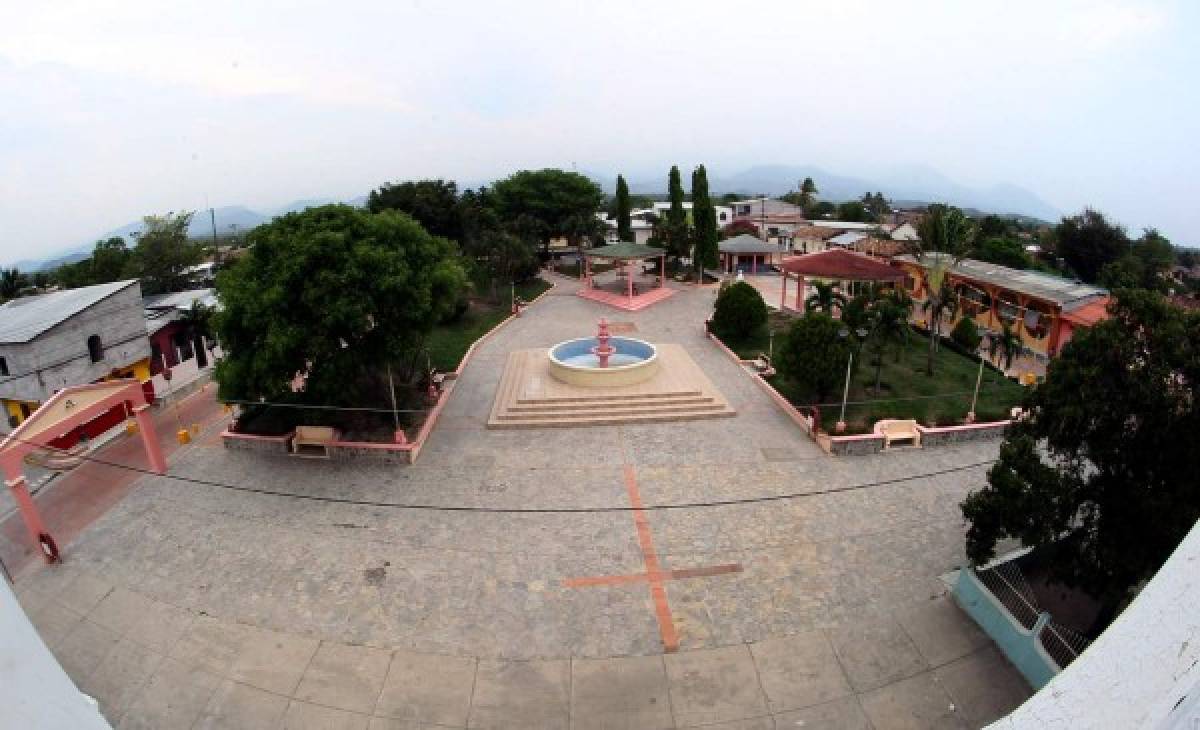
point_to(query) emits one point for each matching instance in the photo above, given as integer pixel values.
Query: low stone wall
(253, 442)
(859, 445)
(384, 453)
(943, 435)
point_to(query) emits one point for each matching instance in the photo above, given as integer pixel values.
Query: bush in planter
(966, 335)
(740, 312)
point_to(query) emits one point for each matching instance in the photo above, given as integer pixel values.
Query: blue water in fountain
(579, 352)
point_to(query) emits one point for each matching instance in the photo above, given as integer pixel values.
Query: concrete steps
(528, 397)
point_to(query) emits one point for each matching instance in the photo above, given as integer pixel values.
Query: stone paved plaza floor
(195, 606)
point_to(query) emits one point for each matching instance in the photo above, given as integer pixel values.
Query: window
(95, 348)
(3, 366)
(724, 216)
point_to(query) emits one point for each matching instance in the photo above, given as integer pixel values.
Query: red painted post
(783, 293)
(629, 281)
(154, 452)
(800, 294)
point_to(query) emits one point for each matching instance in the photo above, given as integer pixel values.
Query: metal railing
(1008, 584)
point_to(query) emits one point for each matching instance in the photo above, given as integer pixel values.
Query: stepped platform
(529, 397)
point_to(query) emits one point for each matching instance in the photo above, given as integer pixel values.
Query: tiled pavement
(194, 606)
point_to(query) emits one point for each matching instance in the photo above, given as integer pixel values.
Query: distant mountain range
(903, 185)
(909, 184)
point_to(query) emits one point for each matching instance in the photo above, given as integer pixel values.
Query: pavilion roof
(745, 243)
(625, 250)
(841, 264)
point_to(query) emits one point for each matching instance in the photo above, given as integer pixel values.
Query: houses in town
(70, 337)
(94, 333)
(1043, 310)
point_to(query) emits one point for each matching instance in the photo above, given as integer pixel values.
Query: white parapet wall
(1143, 672)
(35, 692)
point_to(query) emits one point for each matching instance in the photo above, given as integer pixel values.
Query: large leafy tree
(808, 193)
(433, 203)
(704, 219)
(739, 313)
(624, 224)
(12, 282)
(547, 203)
(814, 354)
(946, 237)
(1088, 242)
(1003, 250)
(1100, 473)
(1144, 266)
(164, 253)
(336, 294)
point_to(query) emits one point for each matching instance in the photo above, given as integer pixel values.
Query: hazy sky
(108, 113)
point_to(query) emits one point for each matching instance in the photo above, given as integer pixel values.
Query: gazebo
(836, 264)
(626, 256)
(734, 250)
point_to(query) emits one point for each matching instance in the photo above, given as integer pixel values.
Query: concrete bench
(899, 430)
(313, 441)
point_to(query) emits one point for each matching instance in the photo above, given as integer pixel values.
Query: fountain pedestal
(603, 351)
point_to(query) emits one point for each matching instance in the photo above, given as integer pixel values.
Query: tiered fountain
(603, 360)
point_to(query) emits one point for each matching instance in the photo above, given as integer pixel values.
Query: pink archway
(65, 410)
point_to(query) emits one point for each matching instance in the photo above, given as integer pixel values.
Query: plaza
(577, 581)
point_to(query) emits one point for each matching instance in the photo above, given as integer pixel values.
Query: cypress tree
(677, 226)
(704, 218)
(624, 226)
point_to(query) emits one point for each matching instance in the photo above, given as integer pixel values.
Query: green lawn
(905, 392)
(449, 342)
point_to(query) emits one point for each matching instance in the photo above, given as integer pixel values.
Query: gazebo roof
(840, 264)
(625, 250)
(745, 243)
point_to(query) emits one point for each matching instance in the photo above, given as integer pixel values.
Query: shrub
(813, 354)
(740, 312)
(966, 335)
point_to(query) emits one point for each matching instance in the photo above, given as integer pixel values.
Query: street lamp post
(840, 426)
(983, 334)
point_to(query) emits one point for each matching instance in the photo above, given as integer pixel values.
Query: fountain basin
(632, 361)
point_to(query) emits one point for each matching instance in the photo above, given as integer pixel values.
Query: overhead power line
(526, 510)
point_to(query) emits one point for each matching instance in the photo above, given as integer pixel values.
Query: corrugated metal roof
(25, 318)
(848, 238)
(1064, 292)
(745, 243)
(181, 299)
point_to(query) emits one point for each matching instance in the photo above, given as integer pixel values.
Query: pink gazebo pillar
(754, 263)
(629, 279)
(783, 293)
(800, 293)
(14, 479)
(150, 442)
(662, 271)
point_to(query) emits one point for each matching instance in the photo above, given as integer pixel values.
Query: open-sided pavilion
(746, 252)
(833, 265)
(626, 257)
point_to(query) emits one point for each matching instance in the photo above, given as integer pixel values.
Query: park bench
(313, 441)
(899, 430)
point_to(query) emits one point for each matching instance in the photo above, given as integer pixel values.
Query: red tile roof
(1089, 314)
(840, 264)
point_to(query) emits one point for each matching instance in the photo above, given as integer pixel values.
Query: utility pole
(212, 217)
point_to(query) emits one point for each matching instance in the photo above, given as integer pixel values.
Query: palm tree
(946, 238)
(1007, 345)
(889, 328)
(824, 298)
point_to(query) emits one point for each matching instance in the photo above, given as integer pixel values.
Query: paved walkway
(194, 606)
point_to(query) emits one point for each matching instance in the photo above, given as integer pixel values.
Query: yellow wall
(13, 408)
(139, 370)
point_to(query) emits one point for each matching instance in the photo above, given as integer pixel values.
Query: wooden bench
(313, 441)
(899, 430)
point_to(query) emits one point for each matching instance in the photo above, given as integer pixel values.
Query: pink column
(15, 480)
(754, 264)
(150, 438)
(800, 294)
(783, 293)
(629, 280)
(662, 271)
